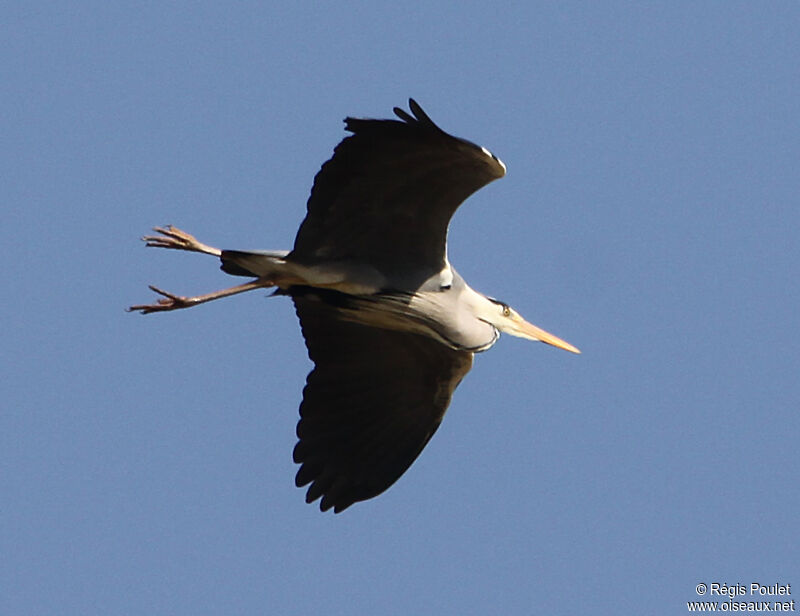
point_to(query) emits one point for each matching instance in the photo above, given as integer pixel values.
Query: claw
(155, 289)
(175, 239)
(170, 301)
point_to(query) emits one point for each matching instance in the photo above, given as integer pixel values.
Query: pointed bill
(528, 330)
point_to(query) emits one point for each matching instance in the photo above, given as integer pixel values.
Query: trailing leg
(170, 301)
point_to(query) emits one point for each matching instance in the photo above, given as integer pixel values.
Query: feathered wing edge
(387, 195)
(419, 117)
(372, 402)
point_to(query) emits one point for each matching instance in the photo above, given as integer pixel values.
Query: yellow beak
(530, 331)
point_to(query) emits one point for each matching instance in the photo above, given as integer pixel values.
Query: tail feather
(272, 266)
(255, 263)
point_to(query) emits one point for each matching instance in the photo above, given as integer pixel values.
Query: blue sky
(649, 216)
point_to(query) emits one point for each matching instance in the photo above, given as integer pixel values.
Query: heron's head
(509, 321)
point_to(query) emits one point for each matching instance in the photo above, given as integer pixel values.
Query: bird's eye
(506, 311)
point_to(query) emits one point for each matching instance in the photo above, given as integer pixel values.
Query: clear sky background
(650, 216)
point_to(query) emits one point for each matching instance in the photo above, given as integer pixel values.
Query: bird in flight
(389, 324)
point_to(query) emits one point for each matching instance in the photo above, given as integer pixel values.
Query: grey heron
(390, 326)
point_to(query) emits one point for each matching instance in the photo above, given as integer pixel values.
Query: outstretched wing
(386, 196)
(372, 402)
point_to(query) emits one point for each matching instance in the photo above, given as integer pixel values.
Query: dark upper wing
(373, 400)
(387, 195)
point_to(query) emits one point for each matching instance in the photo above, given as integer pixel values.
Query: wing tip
(334, 492)
(404, 115)
(419, 117)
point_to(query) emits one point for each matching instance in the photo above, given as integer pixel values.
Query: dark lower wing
(372, 402)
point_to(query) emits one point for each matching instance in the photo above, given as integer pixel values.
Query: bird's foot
(175, 239)
(168, 302)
